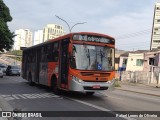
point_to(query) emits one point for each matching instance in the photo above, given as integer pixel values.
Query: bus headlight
(110, 81)
(77, 79)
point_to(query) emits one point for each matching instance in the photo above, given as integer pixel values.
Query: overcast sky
(128, 21)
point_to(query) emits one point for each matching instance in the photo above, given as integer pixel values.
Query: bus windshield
(89, 57)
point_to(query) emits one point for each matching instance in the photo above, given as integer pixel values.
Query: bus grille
(95, 74)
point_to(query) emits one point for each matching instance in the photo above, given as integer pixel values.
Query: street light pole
(65, 22)
(70, 28)
(77, 24)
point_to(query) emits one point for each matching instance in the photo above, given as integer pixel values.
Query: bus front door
(63, 73)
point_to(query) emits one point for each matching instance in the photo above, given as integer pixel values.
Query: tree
(6, 36)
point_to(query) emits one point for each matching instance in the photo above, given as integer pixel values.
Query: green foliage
(6, 36)
(17, 52)
(117, 83)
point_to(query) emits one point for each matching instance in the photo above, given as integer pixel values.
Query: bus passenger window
(52, 52)
(55, 55)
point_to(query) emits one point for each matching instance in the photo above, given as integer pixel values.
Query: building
(23, 38)
(38, 37)
(123, 61)
(52, 31)
(118, 53)
(135, 62)
(155, 38)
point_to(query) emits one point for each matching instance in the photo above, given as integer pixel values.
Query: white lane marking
(29, 96)
(95, 106)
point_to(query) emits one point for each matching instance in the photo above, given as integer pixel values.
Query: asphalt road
(20, 95)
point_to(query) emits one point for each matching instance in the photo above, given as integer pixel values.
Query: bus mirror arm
(70, 56)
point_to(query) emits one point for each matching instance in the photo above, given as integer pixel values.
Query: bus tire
(89, 93)
(54, 85)
(30, 80)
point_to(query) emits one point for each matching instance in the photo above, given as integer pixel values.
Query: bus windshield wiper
(88, 56)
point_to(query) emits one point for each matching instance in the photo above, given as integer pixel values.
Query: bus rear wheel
(89, 93)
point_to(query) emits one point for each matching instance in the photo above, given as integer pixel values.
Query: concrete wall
(138, 77)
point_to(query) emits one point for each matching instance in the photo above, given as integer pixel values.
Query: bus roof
(69, 35)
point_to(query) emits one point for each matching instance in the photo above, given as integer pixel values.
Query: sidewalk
(140, 88)
(4, 106)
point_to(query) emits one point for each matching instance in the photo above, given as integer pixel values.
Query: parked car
(4, 67)
(13, 70)
(1, 73)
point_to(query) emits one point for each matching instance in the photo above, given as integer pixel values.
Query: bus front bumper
(82, 86)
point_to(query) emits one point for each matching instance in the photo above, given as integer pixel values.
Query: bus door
(38, 57)
(24, 65)
(63, 73)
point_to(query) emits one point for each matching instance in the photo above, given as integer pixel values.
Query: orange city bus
(82, 61)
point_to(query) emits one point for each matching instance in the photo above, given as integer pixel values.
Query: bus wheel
(30, 80)
(89, 93)
(54, 86)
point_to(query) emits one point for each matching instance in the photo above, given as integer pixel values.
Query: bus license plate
(96, 86)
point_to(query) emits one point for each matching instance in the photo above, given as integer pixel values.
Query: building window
(58, 27)
(124, 63)
(156, 29)
(151, 61)
(139, 62)
(156, 41)
(158, 20)
(158, 8)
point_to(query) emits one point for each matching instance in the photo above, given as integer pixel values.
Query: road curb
(138, 92)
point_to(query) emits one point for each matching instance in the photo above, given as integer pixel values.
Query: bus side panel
(52, 70)
(43, 73)
(30, 70)
(37, 65)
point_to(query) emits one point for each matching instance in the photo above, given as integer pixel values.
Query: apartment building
(52, 31)
(23, 38)
(155, 38)
(38, 37)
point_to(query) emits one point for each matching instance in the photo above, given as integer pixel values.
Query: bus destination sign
(91, 38)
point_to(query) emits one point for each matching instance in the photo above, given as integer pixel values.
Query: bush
(117, 83)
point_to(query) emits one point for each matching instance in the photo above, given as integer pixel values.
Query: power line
(135, 43)
(135, 34)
